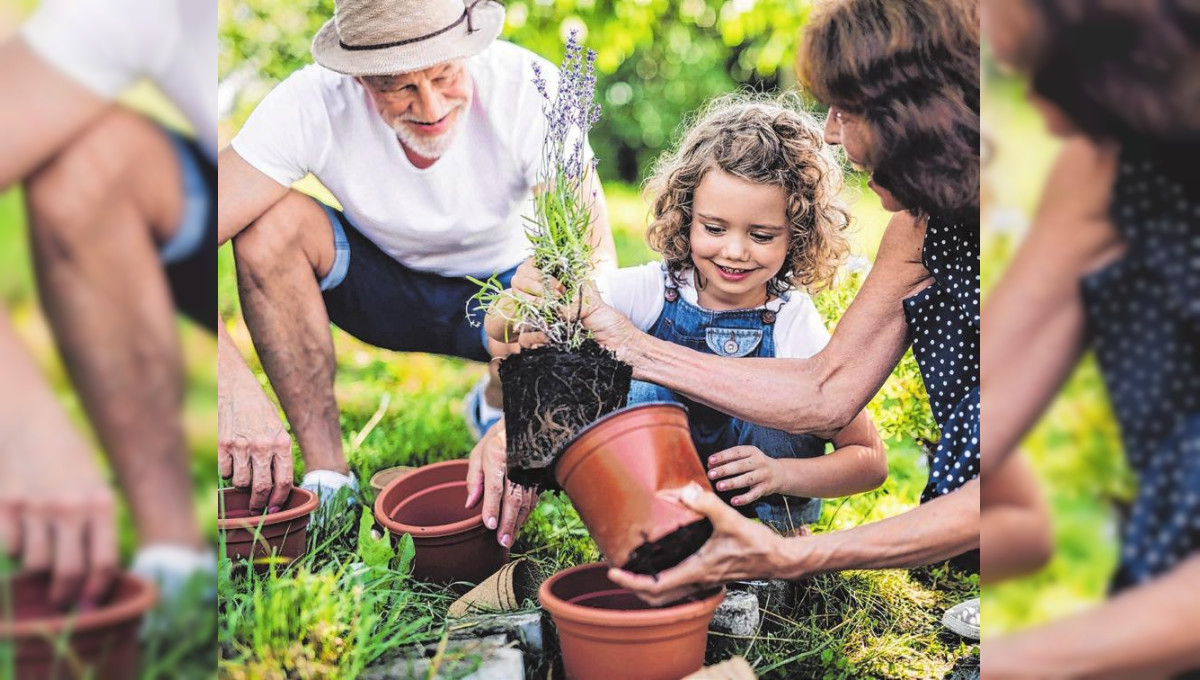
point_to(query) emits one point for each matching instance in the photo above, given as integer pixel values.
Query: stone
(738, 614)
(491, 658)
(524, 628)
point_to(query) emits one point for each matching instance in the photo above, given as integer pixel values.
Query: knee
(67, 197)
(273, 239)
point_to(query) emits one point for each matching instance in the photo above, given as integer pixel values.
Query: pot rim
(417, 531)
(129, 609)
(561, 470)
(611, 618)
(252, 523)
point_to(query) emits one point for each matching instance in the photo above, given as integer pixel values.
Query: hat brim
(457, 43)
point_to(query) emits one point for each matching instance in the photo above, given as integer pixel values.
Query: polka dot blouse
(943, 321)
(1143, 321)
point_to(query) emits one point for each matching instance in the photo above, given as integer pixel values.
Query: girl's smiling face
(739, 239)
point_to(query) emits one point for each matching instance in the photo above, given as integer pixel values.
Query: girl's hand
(745, 467)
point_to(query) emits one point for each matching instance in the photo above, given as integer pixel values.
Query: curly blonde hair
(766, 140)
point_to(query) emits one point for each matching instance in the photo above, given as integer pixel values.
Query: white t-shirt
(108, 45)
(463, 214)
(637, 292)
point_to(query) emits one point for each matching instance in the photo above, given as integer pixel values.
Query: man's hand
(57, 512)
(745, 467)
(487, 480)
(252, 446)
(738, 549)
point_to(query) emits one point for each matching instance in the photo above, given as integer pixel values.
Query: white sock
(170, 567)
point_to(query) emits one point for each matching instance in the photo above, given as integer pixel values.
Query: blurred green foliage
(657, 60)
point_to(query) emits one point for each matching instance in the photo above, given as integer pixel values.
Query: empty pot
(102, 643)
(615, 473)
(452, 543)
(605, 631)
(262, 537)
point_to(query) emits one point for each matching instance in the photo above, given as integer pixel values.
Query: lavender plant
(560, 230)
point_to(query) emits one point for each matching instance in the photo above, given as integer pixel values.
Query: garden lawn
(336, 613)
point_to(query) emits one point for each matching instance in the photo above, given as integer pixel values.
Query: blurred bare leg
(98, 210)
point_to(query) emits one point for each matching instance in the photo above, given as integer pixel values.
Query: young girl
(747, 217)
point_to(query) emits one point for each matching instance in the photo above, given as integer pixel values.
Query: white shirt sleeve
(636, 292)
(104, 45)
(799, 331)
(288, 133)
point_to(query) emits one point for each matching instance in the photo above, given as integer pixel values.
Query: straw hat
(382, 37)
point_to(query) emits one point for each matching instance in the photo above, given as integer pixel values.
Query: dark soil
(549, 396)
(670, 550)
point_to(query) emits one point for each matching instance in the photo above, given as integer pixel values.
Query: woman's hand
(506, 505)
(738, 549)
(746, 467)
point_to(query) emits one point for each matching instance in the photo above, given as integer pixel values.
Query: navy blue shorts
(386, 304)
(190, 256)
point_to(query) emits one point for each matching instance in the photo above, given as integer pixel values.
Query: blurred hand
(57, 512)
(745, 467)
(738, 549)
(252, 446)
(506, 505)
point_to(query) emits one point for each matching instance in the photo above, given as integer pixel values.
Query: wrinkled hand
(57, 512)
(612, 329)
(745, 467)
(738, 549)
(252, 446)
(487, 479)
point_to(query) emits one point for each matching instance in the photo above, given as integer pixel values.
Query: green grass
(404, 409)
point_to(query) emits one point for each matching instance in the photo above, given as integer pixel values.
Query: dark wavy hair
(910, 70)
(1118, 68)
(767, 140)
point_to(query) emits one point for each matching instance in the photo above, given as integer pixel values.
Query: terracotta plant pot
(615, 473)
(605, 631)
(550, 394)
(382, 478)
(453, 545)
(103, 643)
(265, 537)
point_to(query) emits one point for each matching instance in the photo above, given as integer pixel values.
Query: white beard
(425, 146)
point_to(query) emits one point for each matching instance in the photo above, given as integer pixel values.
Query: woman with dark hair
(903, 82)
(1111, 264)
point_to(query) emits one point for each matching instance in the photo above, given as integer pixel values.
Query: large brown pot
(102, 643)
(452, 543)
(615, 473)
(265, 537)
(606, 632)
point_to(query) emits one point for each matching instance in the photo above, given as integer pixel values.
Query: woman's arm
(1034, 318)
(821, 394)
(1152, 631)
(1015, 536)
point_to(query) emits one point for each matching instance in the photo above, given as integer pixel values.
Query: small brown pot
(615, 473)
(265, 537)
(453, 545)
(605, 631)
(103, 643)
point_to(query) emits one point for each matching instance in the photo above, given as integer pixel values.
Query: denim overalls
(735, 333)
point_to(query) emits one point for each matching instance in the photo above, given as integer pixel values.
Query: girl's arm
(858, 464)
(1015, 536)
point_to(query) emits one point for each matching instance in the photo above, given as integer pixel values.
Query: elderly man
(428, 132)
(122, 223)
